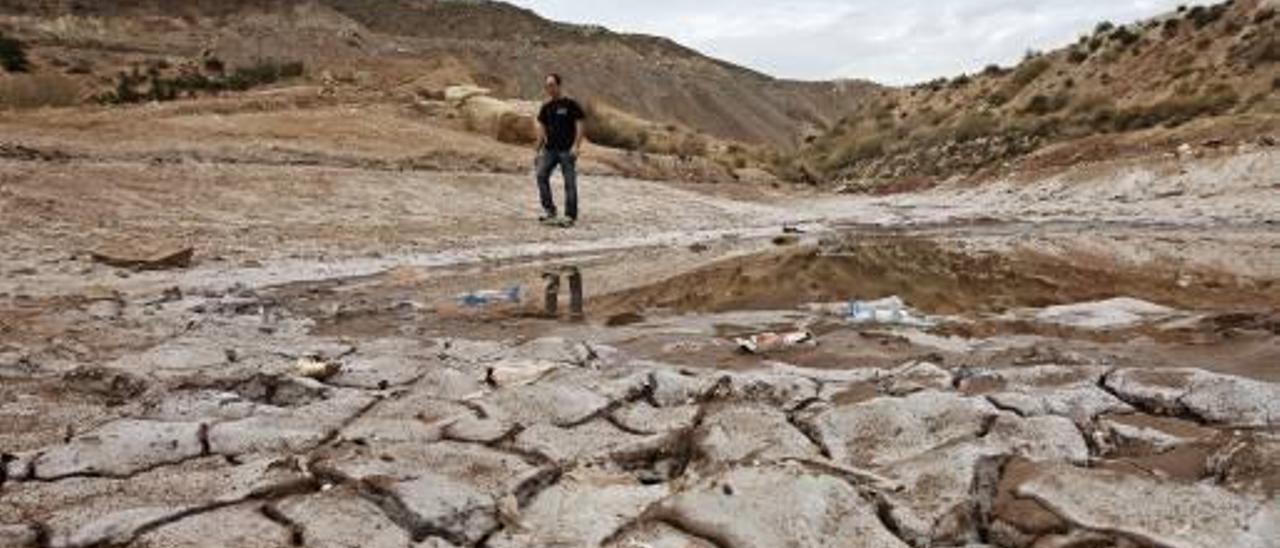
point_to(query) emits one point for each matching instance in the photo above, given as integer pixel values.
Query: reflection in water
(551, 304)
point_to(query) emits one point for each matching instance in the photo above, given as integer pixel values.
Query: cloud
(895, 42)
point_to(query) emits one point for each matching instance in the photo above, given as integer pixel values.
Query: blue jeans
(547, 162)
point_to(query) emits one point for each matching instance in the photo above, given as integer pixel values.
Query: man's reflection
(551, 303)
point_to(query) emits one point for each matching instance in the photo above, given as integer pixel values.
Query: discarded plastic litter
(772, 342)
(887, 311)
(316, 369)
(491, 296)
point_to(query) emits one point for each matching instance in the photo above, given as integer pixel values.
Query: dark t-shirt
(560, 117)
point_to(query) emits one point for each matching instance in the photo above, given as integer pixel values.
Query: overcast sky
(892, 42)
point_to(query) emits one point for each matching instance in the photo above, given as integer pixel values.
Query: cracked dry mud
(210, 439)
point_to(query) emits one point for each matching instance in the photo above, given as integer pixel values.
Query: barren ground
(177, 408)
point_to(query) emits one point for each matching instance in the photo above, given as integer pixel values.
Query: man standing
(559, 140)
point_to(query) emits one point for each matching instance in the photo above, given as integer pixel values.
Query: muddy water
(1228, 282)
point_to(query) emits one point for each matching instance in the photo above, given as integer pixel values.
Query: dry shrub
(608, 128)
(38, 90)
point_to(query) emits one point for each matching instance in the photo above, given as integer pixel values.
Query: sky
(891, 42)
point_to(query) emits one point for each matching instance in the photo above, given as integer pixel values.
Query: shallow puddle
(682, 302)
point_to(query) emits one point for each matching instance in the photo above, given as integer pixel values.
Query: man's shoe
(549, 219)
(567, 222)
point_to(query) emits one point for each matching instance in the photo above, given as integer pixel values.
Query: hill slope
(1201, 74)
(395, 44)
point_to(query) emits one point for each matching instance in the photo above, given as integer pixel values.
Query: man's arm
(582, 131)
(542, 135)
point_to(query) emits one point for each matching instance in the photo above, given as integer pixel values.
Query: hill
(1200, 75)
(408, 45)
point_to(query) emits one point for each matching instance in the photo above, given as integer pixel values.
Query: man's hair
(557, 78)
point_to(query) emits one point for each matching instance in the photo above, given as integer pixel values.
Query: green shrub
(1125, 36)
(1077, 55)
(1263, 16)
(1104, 27)
(1205, 16)
(993, 70)
(13, 55)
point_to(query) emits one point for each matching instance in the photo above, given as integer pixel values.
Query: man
(560, 134)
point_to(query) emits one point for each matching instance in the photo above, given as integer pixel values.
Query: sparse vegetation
(13, 55)
(136, 85)
(1125, 37)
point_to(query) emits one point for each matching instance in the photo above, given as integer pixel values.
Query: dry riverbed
(1088, 361)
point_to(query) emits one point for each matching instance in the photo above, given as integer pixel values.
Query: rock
(1068, 391)
(474, 429)
(460, 93)
(556, 350)
(1249, 466)
(596, 441)
(674, 389)
(555, 403)
(19, 536)
(584, 509)
(411, 417)
(161, 258)
(120, 448)
(658, 535)
(915, 377)
(200, 405)
(240, 526)
(645, 418)
(1208, 397)
(746, 432)
(118, 528)
(274, 429)
(340, 518)
(777, 506)
(1149, 511)
(1116, 313)
(449, 384)
(886, 430)
(443, 489)
(1138, 434)
(381, 371)
(183, 355)
(937, 505)
(772, 388)
(105, 310)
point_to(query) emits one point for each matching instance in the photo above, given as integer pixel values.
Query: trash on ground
(887, 311)
(1115, 313)
(161, 260)
(491, 296)
(772, 342)
(319, 370)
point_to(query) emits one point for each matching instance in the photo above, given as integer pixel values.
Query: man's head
(553, 85)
